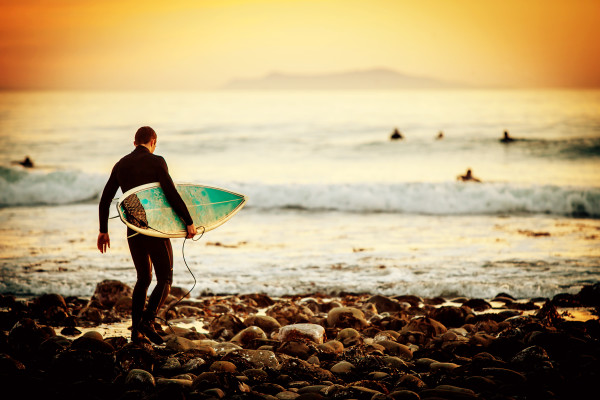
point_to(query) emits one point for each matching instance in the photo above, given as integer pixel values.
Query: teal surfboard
(145, 209)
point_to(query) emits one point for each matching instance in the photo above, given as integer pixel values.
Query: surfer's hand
(191, 231)
(103, 242)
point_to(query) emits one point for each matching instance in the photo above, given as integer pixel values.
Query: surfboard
(145, 209)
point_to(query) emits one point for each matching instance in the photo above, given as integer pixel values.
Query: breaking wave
(19, 187)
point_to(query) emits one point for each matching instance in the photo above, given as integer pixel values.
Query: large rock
(385, 304)
(428, 326)
(290, 313)
(247, 335)
(302, 332)
(108, 292)
(51, 308)
(228, 323)
(179, 344)
(346, 317)
(140, 380)
(302, 370)
(264, 322)
(450, 316)
(26, 336)
(258, 358)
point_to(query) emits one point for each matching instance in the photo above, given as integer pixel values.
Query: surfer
(27, 162)
(506, 138)
(440, 135)
(396, 135)
(139, 167)
(468, 177)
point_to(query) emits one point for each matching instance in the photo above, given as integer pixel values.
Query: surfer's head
(145, 136)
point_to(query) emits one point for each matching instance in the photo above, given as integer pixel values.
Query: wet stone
(140, 379)
(215, 392)
(108, 292)
(268, 388)
(331, 347)
(342, 367)
(396, 349)
(349, 337)
(194, 365)
(256, 375)
(287, 395)
(247, 335)
(258, 358)
(170, 365)
(385, 304)
(410, 382)
(404, 395)
(266, 323)
(70, 331)
(302, 332)
(222, 366)
(346, 317)
(295, 349)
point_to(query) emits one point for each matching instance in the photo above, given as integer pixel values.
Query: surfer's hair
(144, 135)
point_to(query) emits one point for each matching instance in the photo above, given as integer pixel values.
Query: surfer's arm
(103, 242)
(110, 189)
(172, 195)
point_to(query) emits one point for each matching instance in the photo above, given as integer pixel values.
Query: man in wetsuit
(139, 167)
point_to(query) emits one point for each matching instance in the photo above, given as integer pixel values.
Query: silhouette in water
(396, 135)
(506, 138)
(440, 135)
(468, 177)
(27, 162)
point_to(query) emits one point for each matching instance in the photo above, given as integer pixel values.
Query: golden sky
(202, 44)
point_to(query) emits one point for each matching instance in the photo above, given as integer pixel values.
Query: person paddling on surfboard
(140, 167)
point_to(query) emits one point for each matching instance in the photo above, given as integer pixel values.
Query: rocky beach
(314, 346)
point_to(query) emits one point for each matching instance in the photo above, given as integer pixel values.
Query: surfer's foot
(138, 338)
(147, 328)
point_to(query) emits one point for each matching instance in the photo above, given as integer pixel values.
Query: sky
(203, 44)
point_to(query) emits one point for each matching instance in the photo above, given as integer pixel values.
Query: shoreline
(308, 346)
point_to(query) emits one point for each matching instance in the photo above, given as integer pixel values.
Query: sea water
(334, 204)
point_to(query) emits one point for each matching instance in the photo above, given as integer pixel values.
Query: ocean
(334, 204)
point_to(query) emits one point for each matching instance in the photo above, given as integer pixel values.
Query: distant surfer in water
(137, 168)
(396, 135)
(440, 135)
(468, 177)
(506, 138)
(27, 163)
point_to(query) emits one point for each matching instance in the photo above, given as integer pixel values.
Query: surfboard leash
(191, 273)
(145, 225)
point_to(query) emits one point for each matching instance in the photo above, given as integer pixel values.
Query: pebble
(310, 332)
(140, 379)
(343, 367)
(222, 366)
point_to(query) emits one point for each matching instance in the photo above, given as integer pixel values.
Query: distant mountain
(379, 78)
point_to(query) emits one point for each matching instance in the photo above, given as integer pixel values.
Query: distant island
(371, 79)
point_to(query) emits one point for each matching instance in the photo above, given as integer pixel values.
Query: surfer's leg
(162, 259)
(143, 267)
(161, 255)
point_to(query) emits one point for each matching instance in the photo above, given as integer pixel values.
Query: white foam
(446, 198)
(42, 187)
(23, 187)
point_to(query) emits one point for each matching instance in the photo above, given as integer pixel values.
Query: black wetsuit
(135, 169)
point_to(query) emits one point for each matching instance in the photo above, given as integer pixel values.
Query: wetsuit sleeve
(171, 192)
(110, 189)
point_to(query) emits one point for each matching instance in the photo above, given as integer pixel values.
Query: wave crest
(19, 187)
(32, 187)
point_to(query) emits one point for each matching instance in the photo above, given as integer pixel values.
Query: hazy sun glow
(178, 44)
